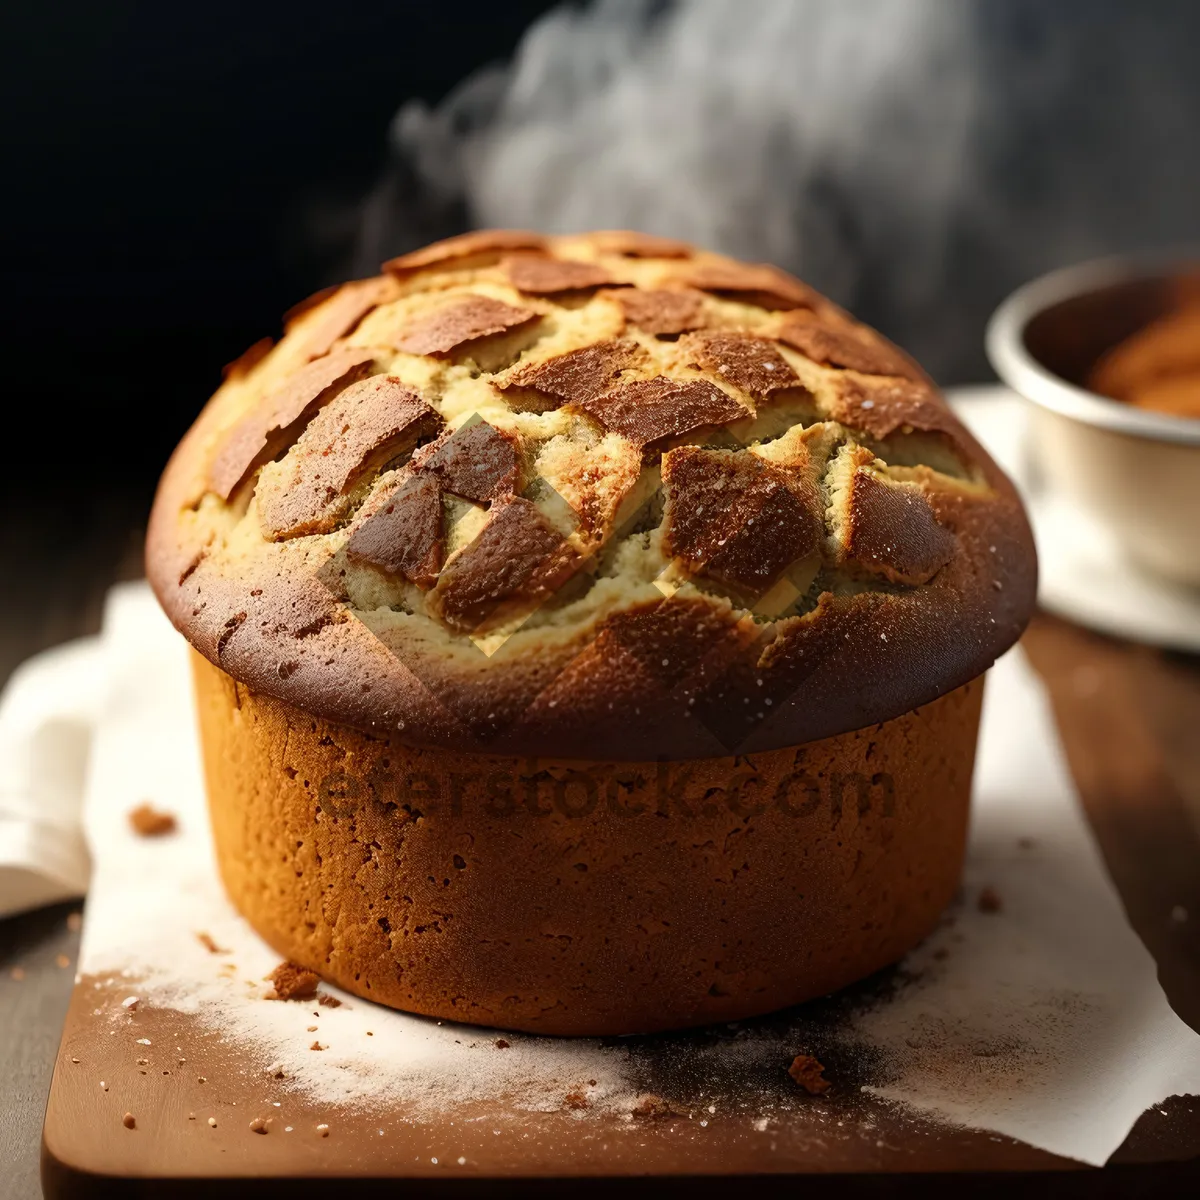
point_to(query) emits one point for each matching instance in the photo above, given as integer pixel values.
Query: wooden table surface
(1129, 717)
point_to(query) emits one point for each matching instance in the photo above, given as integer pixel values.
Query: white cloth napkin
(47, 715)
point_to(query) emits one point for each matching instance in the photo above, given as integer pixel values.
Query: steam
(913, 158)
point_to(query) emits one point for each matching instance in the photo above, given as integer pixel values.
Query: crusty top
(604, 496)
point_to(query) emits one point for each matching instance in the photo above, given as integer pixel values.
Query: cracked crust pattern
(457, 502)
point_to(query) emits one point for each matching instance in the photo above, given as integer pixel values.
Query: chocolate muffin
(589, 634)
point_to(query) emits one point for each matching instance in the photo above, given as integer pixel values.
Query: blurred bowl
(1138, 471)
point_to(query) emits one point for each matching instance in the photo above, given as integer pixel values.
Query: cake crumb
(651, 1107)
(75, 921)
(322, 1130)
(258, 1125)
(212, 1122)
(809, 1074)
(207, 941)
(128, 1121)
(191, 1116)
(148, 821)
(328, 1001)
(501, 1044)
(576, 1099)
(293, 982)
(989, 900)
(130, 1003)
(316, 1046)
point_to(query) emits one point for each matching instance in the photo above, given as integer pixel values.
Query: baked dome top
(600, 496)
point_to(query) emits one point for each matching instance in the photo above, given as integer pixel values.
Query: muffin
(588, 634)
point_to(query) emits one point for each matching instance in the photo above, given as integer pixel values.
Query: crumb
(650, 1106)
(316, 1046)
(212, 1122)
(147, 821)
(323, 1130)
(989, 901)
(293, 982)
(130, 1003)
(809, 1074)
(201, 1079)
(103, 1086)
(128, 1121)
(75, 921)
(61, 961)
(501, 1044)
(328, 1001)
(258, 1125)
(311, 1029)
(575, 1099)
(143, 1062)
(74, 1060)
(206, 940)
(370, 1034)
(191, 1116)
(17, 974)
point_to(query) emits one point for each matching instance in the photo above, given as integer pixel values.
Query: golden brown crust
(540, 276)
(350, 439)
(837, 342)
(662, 311)
(400, 531)
(649, 410)
(267, 428)
(476, 461)
(466, 246)
(579, 375)
(761, 285)
(396, 607)
(639, 245)
(585, 898)
(750, 363)
(735, 519)
(340, 310)
(463, 320)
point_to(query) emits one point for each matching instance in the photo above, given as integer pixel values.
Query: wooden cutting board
(193, 1097)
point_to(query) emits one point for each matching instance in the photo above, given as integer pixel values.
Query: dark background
(166, 166)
